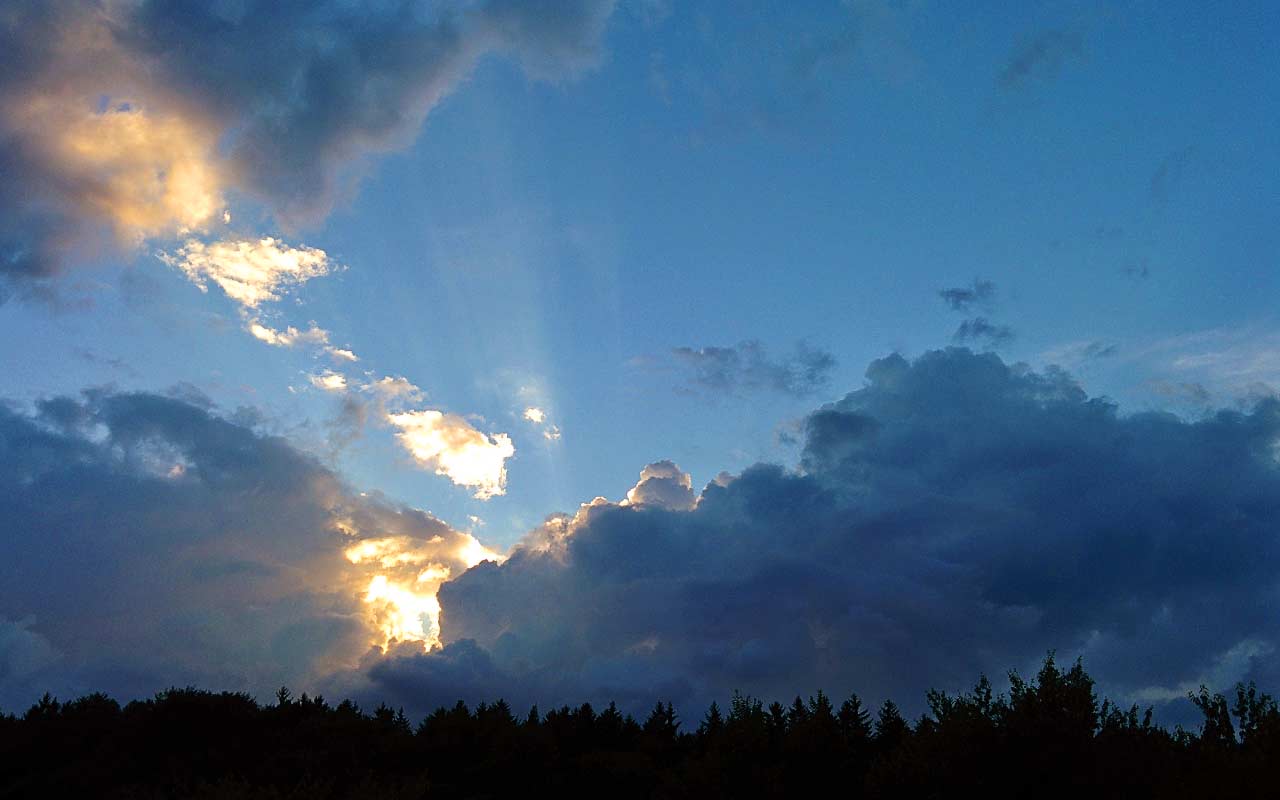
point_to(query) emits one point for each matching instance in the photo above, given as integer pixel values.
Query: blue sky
(720, 177)
(701, 175)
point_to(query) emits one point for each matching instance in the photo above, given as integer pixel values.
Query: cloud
(1041, 57)
(663, 485)
(1077, 353)
(538, 417)
(140, 120)
(980, 330)
(748, 367)
(251, 272)
(149, 542)
(957, 514)
(290, 336)
(329, 381)
(450, 446)
(961, 298)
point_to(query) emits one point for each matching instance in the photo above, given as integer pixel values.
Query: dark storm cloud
(280, 101)
(981, 331)
(148, 541)
(748, 366)
(956, 515)
(1041, 57)
(962, 298)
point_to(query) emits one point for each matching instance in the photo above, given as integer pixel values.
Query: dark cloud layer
(140, 118)
(748, 366)
(956, 515)
(147, 541)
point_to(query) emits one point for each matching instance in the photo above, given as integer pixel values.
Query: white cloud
(535, 415)
(329, 381)
(251, 272)
(290, 336)
(449, 445)
(392, 391)
(340, 354)
(665, 485)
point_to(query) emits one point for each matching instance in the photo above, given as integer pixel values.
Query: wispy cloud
(748, 367)
(983, 332)
(962, 298)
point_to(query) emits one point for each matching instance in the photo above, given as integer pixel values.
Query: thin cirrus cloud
(143, 119)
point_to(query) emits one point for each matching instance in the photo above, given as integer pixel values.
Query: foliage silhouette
(1048, 737)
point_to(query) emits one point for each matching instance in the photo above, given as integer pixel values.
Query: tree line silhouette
(1048, 737)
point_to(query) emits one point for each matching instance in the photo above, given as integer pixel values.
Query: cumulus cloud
(450, 446)
(748, 366)
(250, 272)
(535, 415)
(142, 119)
(957, 514)
(663, 485)
(150, 542)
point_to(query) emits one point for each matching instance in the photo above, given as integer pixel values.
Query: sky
(593, 350)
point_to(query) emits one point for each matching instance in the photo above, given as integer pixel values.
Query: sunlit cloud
(329, 381)
(290, 336)
(251, 272)
(405, 572)
(452, 447)
(538, 417)
(392, 391)
(145, 175)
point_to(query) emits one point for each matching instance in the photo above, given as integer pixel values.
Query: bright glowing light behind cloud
(448, 444)
(251, 272)
(406, 574)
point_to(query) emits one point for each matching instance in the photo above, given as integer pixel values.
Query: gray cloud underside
(956, 515)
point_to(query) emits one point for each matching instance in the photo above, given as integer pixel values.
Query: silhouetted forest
(1048, 737)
